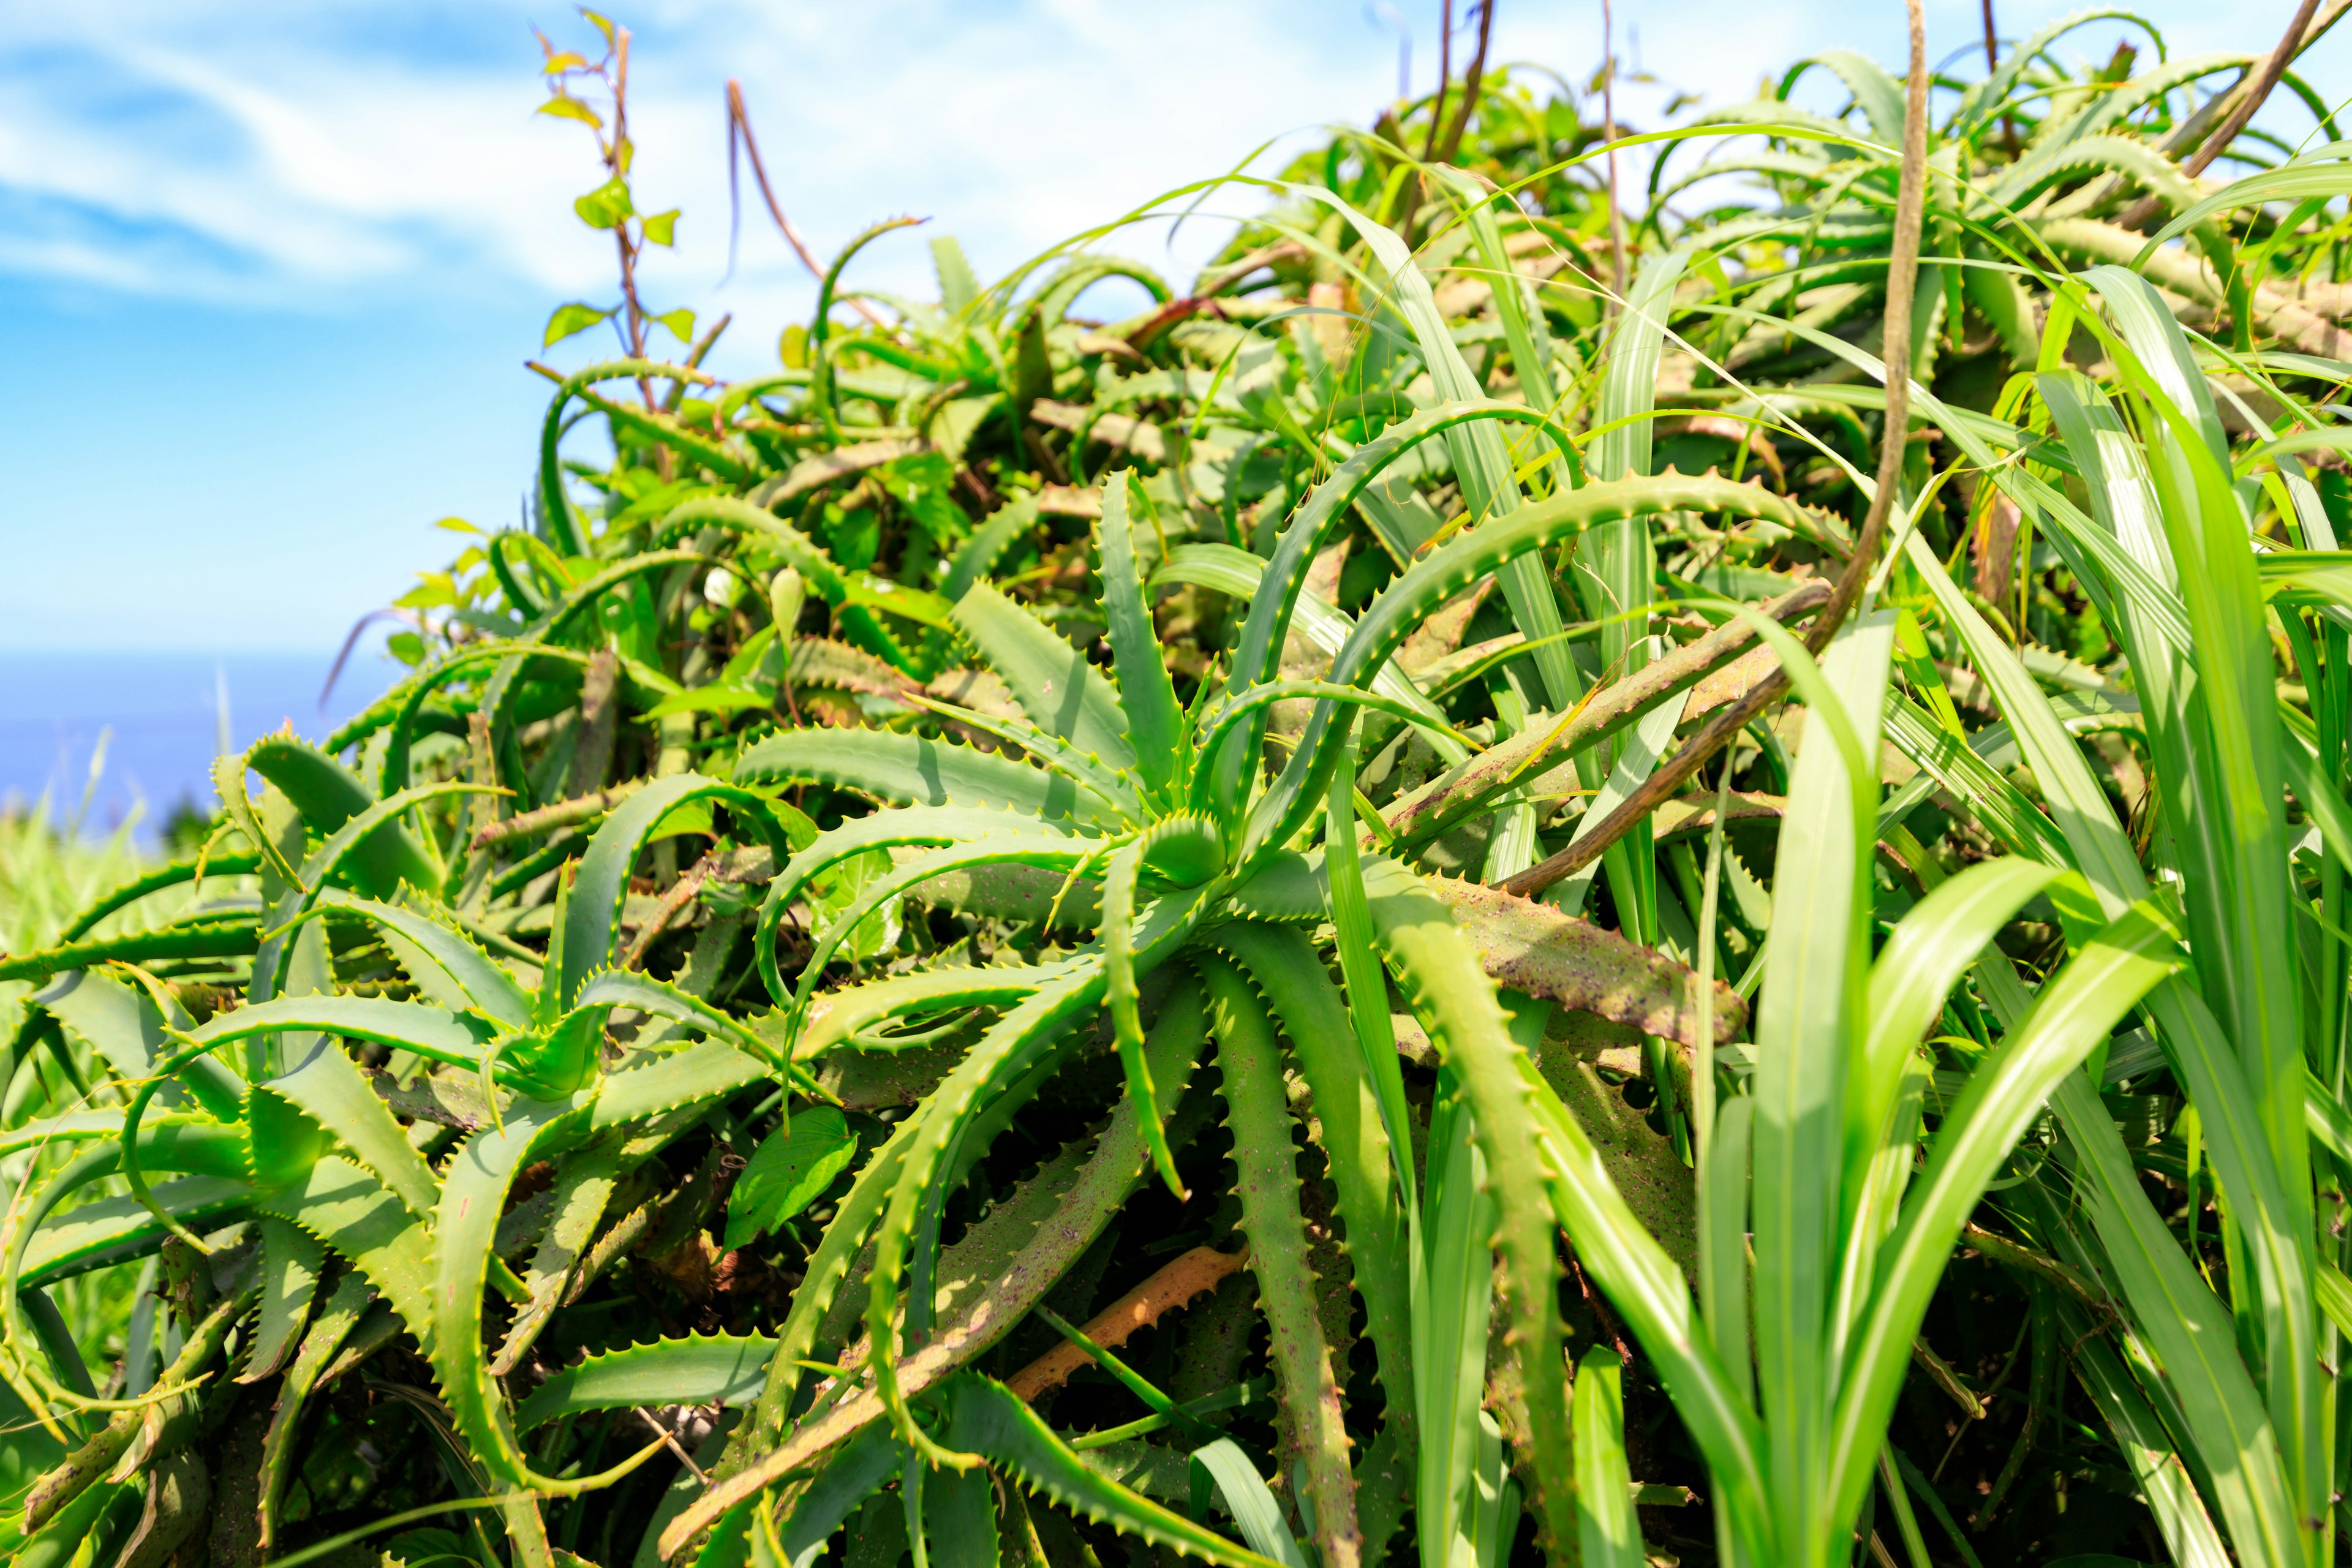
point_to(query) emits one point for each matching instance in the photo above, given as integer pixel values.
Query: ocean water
(153, 722)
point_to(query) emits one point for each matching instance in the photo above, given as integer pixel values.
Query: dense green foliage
(1403, 908)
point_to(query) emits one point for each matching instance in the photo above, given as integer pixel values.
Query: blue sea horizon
(159, 716)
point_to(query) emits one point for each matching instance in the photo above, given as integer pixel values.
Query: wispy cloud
(187, 150)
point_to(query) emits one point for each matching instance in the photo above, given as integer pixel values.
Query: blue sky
(269, 269)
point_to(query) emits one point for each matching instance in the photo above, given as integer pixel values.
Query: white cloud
(187, 150)
(305, 155)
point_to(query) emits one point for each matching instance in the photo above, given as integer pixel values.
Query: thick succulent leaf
(1453, 566)
(116, 1230)
(854, 1474)
(1101, 1188)
(717, 1369)
(1072, 762)
(331, 1091)
(850, 1012)
(473, 1196)
(1146, 696)
(343, 1312)
(328, 794)
(627, 988)
(291, 1262)
(1267, 1184)
(447, 966)
(1052, 679)
(434, 1033)
(583, 1185)
(909, 769)
(592, 930)
(346, 1207)
(1455, 1003)
(121, 1022)
(1289, 973)
(983, 1418)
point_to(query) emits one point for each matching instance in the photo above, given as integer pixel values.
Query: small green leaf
(688, 817)
(607, 205)
(788, 1173)
(405, 646)
(564, 108)
(563, 61)
(662, 228)
(571, 318)
(680, 322)
(708, 699)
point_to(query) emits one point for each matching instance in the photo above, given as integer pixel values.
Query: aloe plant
(922, 907)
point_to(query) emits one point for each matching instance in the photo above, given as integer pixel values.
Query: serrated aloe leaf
(584, 1185)
(1145, 693)
(591, 930)
(989, 836)
(718, 1369)
(165, 1143)
(227, 936)
(1242, 575)
(853, 1220)
(1006, 1051)
(115, 1230)
(1120, 995)
(1455, 1003)
(849, 1013)
(959, 1517)
(1455, 796)
(626, 988)
(1050, 852)
(122, 1022)
(337, 1318)
(1057, 756)
(1109, 1176)
(1269, 1186)
(985, 1417)
(1445, 572)
(472, 1196)
(291, 1262)
(434, 1033)
(328, 794)
(346, 1207)
(1052, 681)
(977, 557)
(329, 1089)
(1286, 970)
(854, 1474)
(557, 518)
(1540, 951)
(449, 966)
(708, 1071)
(909, 770)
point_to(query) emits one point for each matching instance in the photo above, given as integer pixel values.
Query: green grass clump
(1425, 903)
